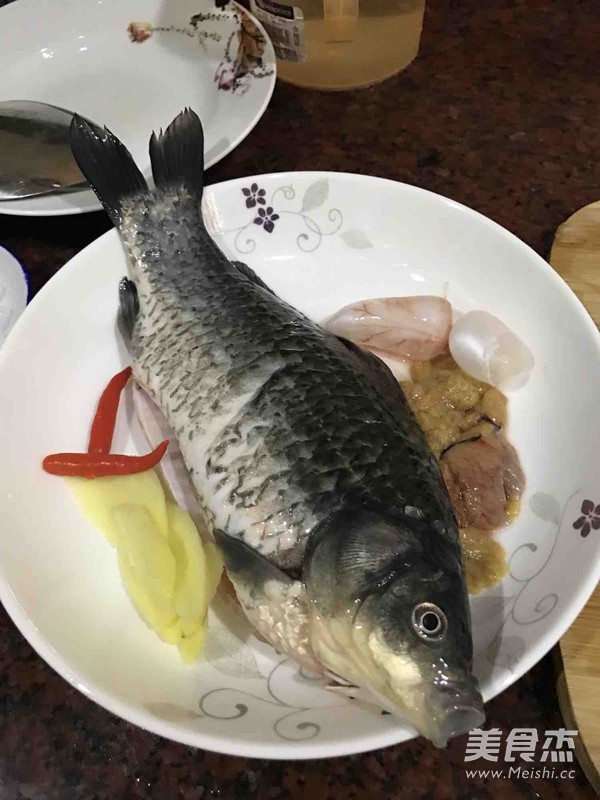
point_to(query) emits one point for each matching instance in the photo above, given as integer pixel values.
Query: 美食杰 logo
(522, 753)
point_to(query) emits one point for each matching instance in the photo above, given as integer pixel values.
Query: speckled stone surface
(500, 111)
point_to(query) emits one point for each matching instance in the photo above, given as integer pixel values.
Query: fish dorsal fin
(177, 155)
(107, 164)
(249, 273)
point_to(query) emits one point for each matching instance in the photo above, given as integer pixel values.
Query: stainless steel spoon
(35, 156)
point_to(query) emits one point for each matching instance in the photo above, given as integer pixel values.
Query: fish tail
(177, 158)
(107, 164)
(177, 155)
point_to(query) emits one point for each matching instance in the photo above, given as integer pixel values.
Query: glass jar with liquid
(341, 44)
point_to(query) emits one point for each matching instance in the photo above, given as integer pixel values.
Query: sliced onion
(486, 349)
(399, 327)
(156, 429)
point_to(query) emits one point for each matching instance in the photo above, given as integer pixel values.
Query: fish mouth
(457, 722)
(457, 713)
(439, 717)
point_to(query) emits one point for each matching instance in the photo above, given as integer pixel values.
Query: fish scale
(304, 451)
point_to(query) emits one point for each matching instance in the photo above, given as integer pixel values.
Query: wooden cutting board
(576, 257)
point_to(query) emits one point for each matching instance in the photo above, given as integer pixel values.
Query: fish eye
(429, 621)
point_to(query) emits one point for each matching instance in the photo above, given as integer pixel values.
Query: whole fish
(317, 482)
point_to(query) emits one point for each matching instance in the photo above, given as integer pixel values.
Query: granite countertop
(500, 112)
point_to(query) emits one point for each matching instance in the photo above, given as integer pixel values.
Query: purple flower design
(254, 195)
(590, 518)
(266, 218)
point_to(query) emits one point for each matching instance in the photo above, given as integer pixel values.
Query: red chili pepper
(98, 465)
(98, 461)
(103, 426)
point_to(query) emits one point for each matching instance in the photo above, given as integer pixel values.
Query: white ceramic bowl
(337, 238)
(77, 54)
(14, 291)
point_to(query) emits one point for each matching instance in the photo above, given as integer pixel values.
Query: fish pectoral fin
(129, 306)
(249, 273)
(247, 566)
(177, 155)
(273, 601)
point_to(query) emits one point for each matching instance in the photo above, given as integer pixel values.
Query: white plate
(14, 291)
(337, 238)
(77, 54)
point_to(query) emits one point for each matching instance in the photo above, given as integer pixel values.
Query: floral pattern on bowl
(244, 49)
(309, 225)
(589, 519)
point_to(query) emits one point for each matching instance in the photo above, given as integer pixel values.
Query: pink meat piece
(416, 327)
(482, 476)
